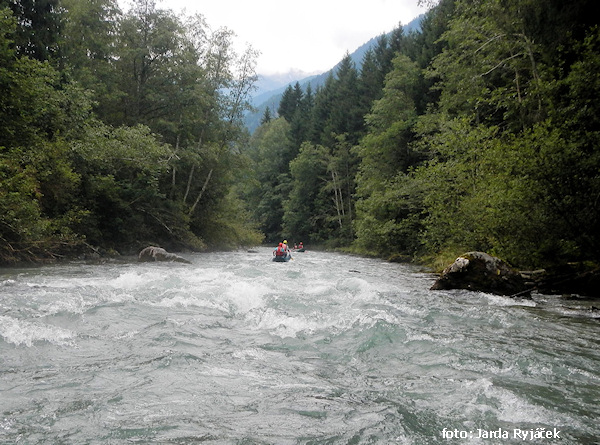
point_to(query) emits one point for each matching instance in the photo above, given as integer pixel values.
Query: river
(324, 349)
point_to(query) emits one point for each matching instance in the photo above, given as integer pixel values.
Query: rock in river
(152, 253)
(479, 271)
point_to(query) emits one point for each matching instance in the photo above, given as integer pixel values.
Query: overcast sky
(308, 35)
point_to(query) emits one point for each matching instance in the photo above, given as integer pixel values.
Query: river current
(324, 349)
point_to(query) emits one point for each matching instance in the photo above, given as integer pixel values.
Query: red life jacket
(280, 251)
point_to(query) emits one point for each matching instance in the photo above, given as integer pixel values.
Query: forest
(481, 132)
(119, 130)
(124, 129)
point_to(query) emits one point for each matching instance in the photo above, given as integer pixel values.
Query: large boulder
(479, 271)
(152, 253)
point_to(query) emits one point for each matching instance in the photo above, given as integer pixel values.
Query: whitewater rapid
(324, 349)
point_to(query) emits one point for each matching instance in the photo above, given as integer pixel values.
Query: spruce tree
(266, 116)
(288, 104)
(39, 33)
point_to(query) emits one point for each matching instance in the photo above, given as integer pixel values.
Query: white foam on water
(509, 406)
(246, 296)
(422, 337)
(199, 277)
(499, 300)
(250, 354)
(334, 320)
(215, 288)
(318, 290)
(184, 299)
(50, 295)
(355, 289)
(344, 304)
(20, 332)
(281, 324)
(138, 279)
(279, 338)
(73, 303)
(516, 410)
(582, 372)
(410, 310)
(208, 297)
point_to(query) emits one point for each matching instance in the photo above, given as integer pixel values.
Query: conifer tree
(266, 116)
(371, 79)
(39, 33)
(288, 104)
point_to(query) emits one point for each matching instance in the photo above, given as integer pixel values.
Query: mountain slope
(270, 99)
(269, 85)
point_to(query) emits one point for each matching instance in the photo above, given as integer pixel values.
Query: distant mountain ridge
(268, 85)
(265, 98)
(273, 81)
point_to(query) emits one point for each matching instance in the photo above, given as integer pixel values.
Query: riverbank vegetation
(118, 129)
(480, 132)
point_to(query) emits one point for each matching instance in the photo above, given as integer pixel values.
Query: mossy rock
(481, 272)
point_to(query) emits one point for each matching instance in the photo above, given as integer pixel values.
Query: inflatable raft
(282, 259)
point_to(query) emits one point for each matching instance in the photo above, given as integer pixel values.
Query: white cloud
(311, 35)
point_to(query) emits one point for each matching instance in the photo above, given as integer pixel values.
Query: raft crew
(280, 250)
(283, 249)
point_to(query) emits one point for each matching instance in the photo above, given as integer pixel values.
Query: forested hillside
(118, 129)
(479, 133)
(272, 98)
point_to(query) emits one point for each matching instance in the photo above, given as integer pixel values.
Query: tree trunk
(337, 199)
(201, 192)
(189, 183)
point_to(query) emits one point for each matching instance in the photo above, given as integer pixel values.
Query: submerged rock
(479, 271)
(152, 253)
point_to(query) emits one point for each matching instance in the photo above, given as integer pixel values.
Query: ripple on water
(325, 349)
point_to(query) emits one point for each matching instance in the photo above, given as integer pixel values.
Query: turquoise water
(325, 349)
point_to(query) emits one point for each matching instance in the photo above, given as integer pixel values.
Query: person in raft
(285, 245)
(279, 251)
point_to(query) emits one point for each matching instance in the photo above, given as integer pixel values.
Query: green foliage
(480, 132)
(227, 227)
(266, 116)
(125, 152)
(127, 138)
(384, 150)
(90, 31)
(20, 215)
(494, 148)
(515, 196)
(120, 170)
(452, 181)
(272, 153)
(39, 36)
(306, 215)
(290, 102)
(338, 106)
(503, 176)
(389, 221)
(384, 221)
